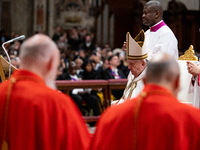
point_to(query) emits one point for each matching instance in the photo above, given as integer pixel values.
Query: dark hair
(86, 63)
(111, 57)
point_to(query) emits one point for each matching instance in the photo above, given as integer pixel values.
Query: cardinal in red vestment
(33, 114)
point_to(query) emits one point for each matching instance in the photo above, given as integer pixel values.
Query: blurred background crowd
(80, 59)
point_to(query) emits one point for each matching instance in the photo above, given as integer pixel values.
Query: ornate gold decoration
(4, 68)
(189, 55)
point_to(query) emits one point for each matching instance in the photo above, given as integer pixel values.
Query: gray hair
(162, 68)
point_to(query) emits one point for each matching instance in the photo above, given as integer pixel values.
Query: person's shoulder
(165, 29)
(53, 95)
(58, 94)
(187, 112)
(190, 109)
(3, 84)
(147, 31)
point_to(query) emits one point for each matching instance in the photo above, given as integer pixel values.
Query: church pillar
(22, 17)
(51, 17)
(105, 24)
(0, 13)
(40, 8)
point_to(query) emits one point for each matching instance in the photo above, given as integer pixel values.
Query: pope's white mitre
(136, 48)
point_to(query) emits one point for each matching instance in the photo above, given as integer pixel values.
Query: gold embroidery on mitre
(189, 55)
(140, 38)
(135, 49)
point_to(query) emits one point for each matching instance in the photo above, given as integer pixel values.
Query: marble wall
(190, 4)
(28, 16)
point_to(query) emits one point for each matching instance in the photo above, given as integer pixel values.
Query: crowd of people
(89, 60)
(35, 115)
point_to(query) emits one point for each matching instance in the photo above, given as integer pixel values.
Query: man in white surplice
(159, 38)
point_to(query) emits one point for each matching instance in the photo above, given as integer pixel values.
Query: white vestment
(184, 95)
(162, 40)
(196, 98)
(195, 90)
(133, 87)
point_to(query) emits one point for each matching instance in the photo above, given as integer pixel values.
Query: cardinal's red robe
(155, 120)
(39, 118)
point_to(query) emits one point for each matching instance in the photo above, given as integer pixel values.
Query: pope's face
(148, 17)
(136, 67)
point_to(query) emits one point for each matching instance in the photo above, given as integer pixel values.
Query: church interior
(106, 21)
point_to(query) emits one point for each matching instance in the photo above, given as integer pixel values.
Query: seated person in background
(33, 114)
(80, 95)
(123, 62)
(154, 120)
(62, 72)
(88, 71)
(79, 63)
(104, 66)
(15, 61)
(88, 44)
(96, 57)
(114, 73)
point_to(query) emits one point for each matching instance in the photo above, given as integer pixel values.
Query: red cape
(39, 117)
(162, 123)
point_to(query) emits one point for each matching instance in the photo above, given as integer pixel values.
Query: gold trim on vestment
(4, 145)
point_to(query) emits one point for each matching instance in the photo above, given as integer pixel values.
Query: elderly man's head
(164, 70)
(39, 54)
(136, 66)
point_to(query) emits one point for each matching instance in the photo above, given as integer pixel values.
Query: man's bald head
(163, 70)
(155, 6)
(37, 49)
(39, 54)
(152, 13)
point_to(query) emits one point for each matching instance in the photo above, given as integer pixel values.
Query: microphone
(15, 39)
(10, 41)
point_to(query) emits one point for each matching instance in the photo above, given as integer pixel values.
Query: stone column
(22, 17)
(40, 8)
(0, 13)
(51, 17)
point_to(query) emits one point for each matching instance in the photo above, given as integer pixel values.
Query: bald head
(39, 54)
(163, 70)
(37, 49)
(152, 13)
(154, 6)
